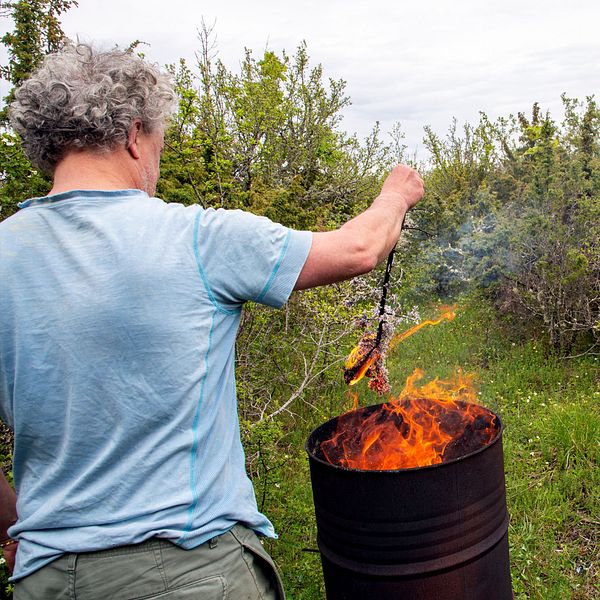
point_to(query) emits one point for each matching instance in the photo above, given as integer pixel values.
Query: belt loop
(213, 542)
(71, 562)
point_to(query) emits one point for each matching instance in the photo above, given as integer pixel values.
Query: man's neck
(85, 170)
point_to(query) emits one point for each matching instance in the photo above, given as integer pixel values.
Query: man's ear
(132, 138)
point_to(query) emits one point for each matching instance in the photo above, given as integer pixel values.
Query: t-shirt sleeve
(245, 257)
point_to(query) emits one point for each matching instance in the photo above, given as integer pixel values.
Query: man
(118, 316)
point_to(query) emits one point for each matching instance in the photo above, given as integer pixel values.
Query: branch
(305, 383)
(588, 351)
(309, 377)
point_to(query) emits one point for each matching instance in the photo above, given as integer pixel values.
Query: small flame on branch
(423, 426)
(361, 358)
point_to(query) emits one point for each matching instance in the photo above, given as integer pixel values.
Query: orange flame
(446, 313)
(423, 426)
(362, 360)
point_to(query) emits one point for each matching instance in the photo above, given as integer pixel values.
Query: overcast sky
(418, 63)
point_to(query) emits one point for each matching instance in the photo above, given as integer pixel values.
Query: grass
(550, 410)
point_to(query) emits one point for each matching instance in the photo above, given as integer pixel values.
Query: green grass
(550, 410)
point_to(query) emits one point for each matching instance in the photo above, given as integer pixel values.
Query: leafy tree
(554, 214)
(514, 207)
(18, 179)
(266, 140)
(448, 228)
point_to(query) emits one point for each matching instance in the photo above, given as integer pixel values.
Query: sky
(416, 63)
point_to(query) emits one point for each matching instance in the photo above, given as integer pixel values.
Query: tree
(513, 208)
(266, 139)
(554, 210)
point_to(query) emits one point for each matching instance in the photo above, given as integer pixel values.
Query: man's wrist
(8, 542)
(397, 199)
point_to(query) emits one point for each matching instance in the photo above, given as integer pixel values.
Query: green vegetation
(551, 412)
(510, 221)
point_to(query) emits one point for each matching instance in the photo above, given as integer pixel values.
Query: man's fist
(405, 182)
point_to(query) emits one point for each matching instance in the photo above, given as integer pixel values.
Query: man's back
(116, 360)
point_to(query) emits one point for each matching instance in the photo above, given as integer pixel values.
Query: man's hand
(403, 182)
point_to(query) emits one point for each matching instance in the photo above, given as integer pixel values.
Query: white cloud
(415, 62)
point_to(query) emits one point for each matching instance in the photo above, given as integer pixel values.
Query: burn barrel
(428, 533)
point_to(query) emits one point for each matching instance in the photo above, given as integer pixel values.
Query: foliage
(18, 179)
(449, 243)
(553, 206)
(36, 32)
(267, 140)
(514, 207)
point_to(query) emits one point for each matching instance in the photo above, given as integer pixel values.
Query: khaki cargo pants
(232, 566)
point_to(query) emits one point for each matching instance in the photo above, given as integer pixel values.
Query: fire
(423, 426)
(367, 358)
(361, 358)
(447, 313)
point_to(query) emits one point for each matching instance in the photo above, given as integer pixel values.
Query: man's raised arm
(362, 243)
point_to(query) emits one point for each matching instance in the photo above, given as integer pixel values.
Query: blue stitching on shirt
(260, 297)
(195, 441)
(203, 274)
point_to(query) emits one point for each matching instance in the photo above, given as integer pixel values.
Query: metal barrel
(429, 533)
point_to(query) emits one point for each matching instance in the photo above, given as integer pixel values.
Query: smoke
(472, 254)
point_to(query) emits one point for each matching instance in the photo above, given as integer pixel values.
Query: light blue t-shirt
(118, 318)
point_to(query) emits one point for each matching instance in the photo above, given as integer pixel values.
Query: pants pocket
(260, 564)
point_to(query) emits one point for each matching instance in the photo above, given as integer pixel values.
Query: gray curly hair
(82, 98)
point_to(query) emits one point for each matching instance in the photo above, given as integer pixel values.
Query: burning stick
(367, 359)
(360, 359)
